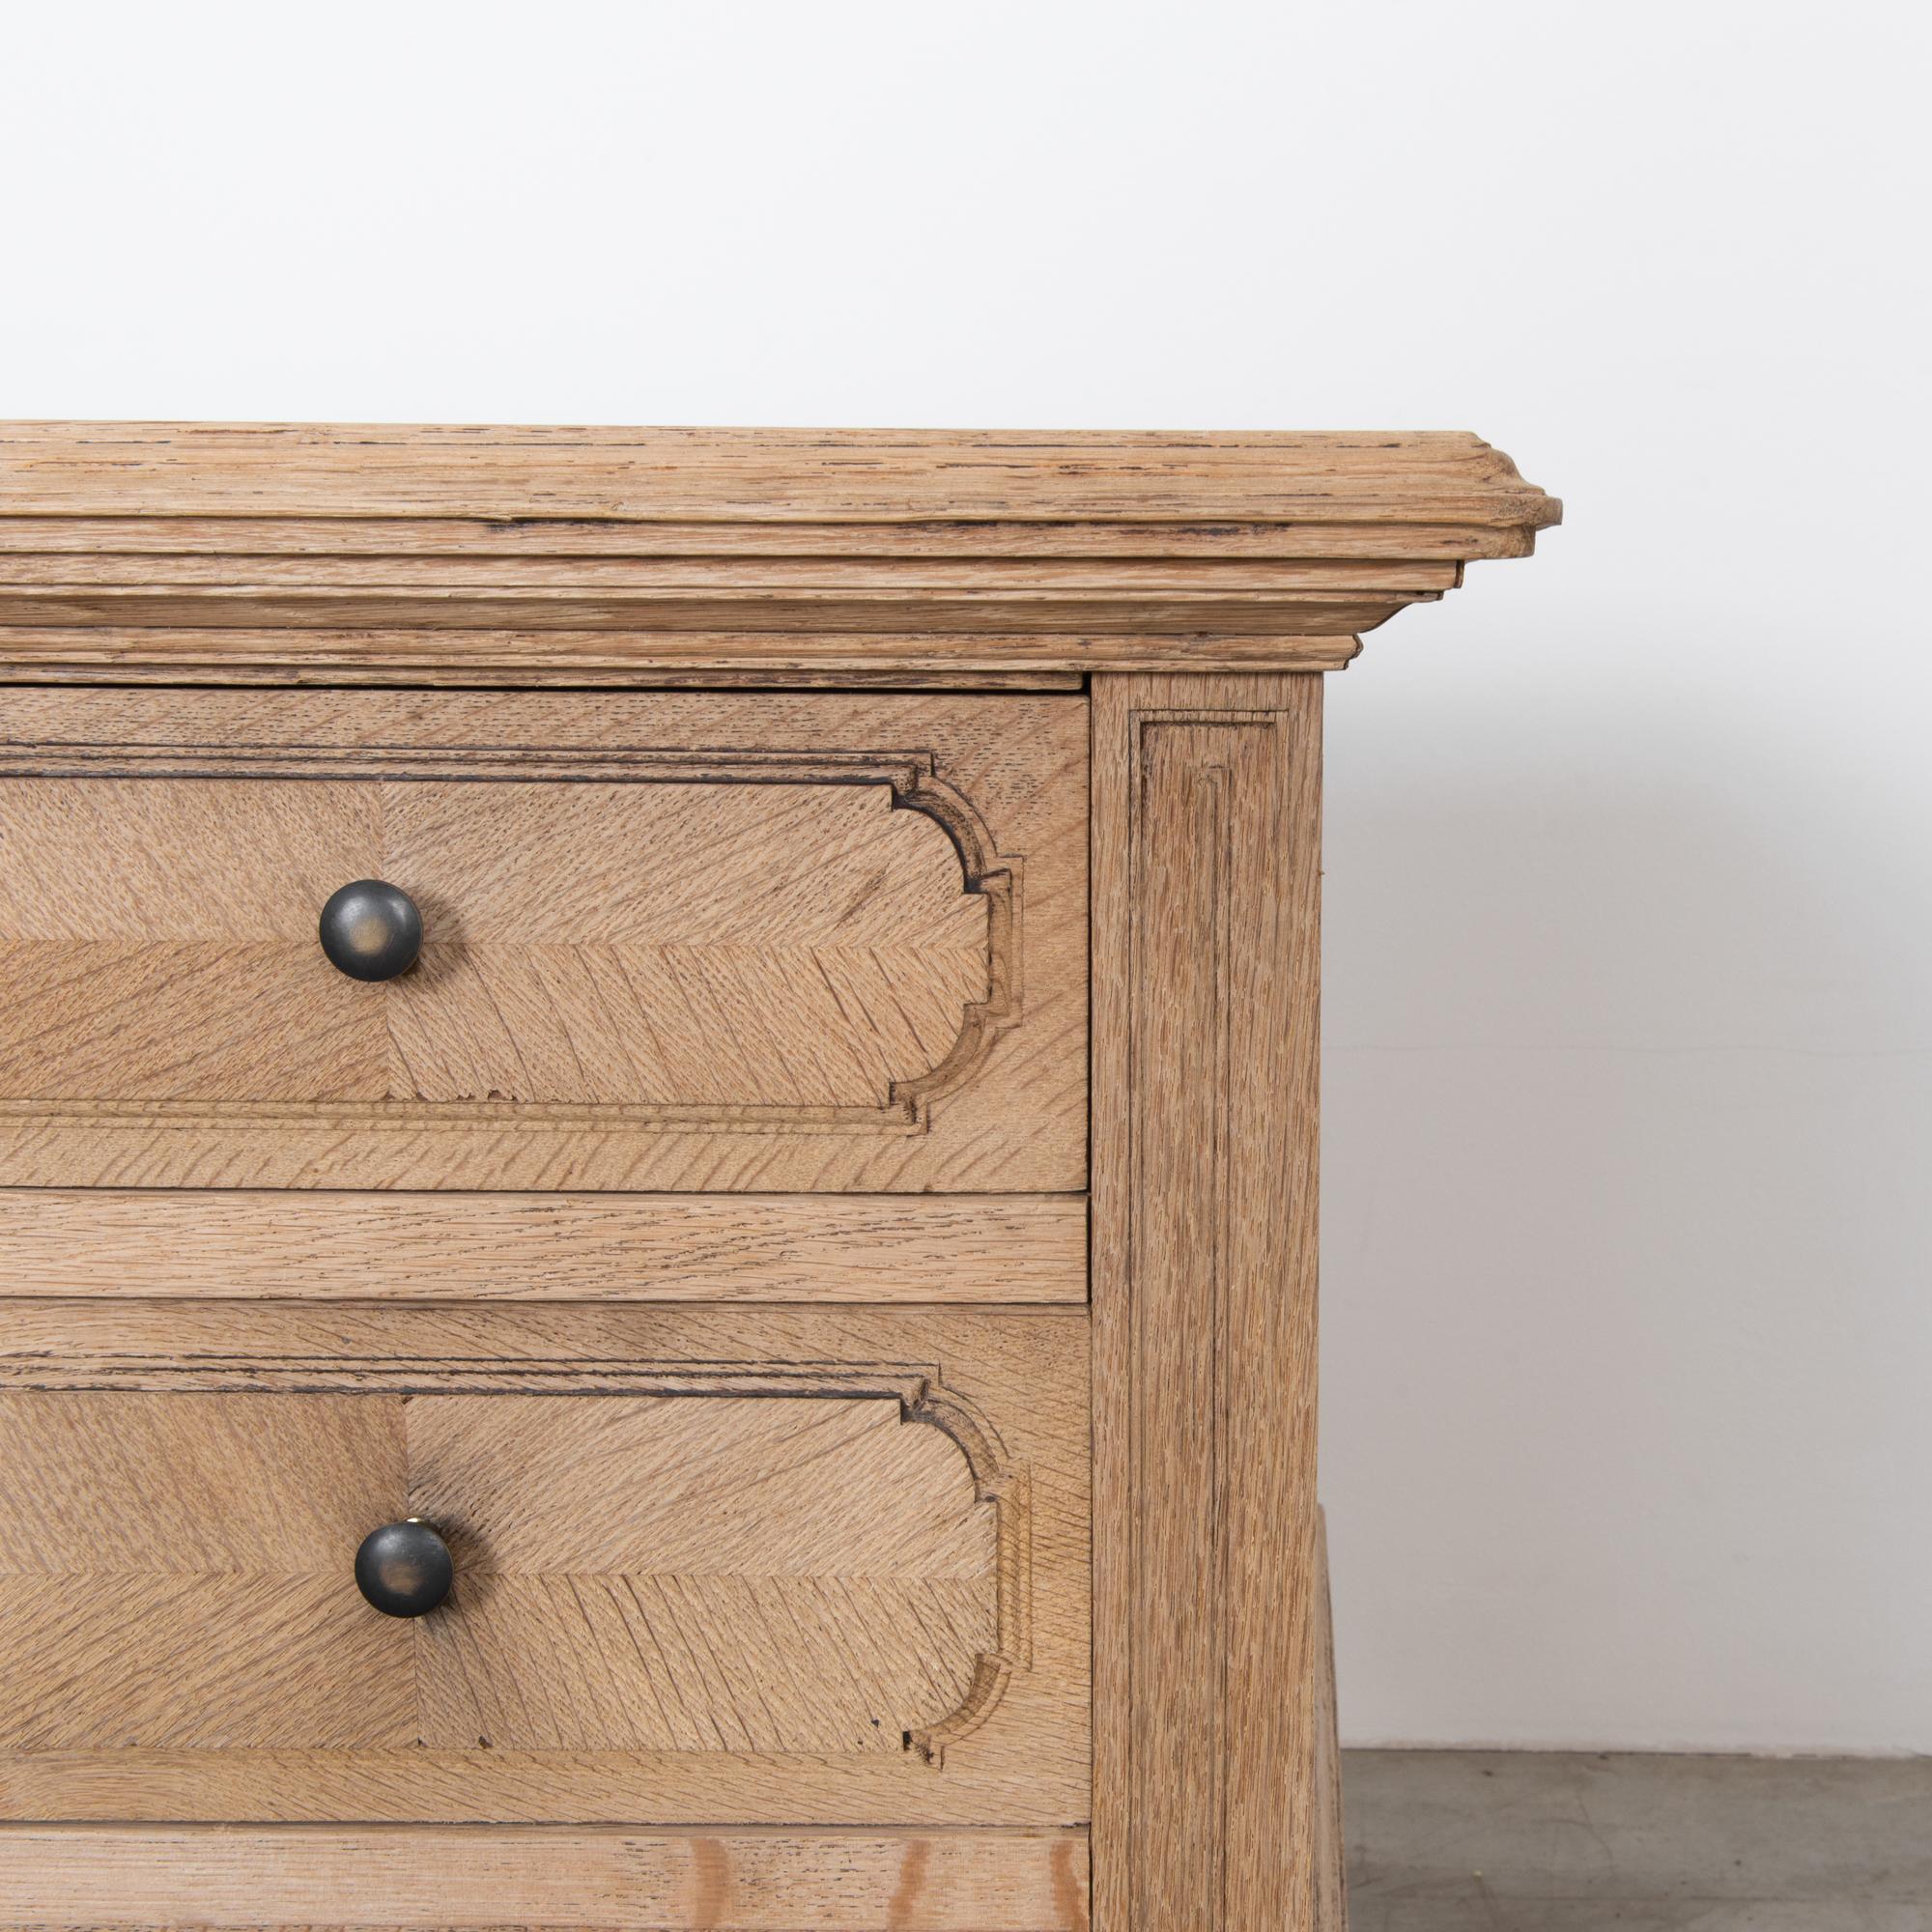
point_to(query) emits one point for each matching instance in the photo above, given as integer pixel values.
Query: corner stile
(1207, 833)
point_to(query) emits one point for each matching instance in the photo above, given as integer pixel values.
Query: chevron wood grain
(668, 939)
(759, 1565)
(646, 944)
(655, 1572)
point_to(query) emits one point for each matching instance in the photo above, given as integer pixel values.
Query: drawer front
(665, 940)
(779, 1567)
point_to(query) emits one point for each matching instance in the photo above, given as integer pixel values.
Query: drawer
(775, 1567)
(667, 941)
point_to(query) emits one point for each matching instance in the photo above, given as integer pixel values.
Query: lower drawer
(810, 1567)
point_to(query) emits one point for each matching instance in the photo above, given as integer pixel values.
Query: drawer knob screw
(404, 1568)
(371, 930)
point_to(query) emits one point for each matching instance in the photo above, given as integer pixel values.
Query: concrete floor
(1540, 1841)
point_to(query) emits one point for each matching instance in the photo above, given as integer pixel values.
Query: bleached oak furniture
(790, 1176)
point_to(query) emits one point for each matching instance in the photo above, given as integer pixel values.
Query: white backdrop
(1629, 1249)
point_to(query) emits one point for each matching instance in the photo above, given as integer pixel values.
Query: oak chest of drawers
(657, 1170)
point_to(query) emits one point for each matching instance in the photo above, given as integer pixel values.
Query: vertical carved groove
(1210, 787)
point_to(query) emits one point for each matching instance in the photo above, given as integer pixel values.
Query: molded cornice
(506, 555)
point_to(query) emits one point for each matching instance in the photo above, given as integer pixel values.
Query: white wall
(1629, 1015)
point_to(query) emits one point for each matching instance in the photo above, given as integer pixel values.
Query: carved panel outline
(917, 1388)
(911, 778)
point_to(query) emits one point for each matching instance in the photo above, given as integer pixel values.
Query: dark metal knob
(404, 1568)
(371, 930)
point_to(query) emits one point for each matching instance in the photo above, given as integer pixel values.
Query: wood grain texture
(170, 658)
(160, 1581)
(778, 1575)
(642, 1494)
(760, 1565)
(774, 1574)
(674, 940)
(756, 476)
(675, 946)
(1206, 873)
(122, 544)
(326, 1246)
(561, 1880)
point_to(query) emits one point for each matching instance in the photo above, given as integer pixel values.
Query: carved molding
(922, 1396)
(240, 550)
(910, 776)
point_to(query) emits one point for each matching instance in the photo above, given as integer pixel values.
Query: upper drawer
(668, 941)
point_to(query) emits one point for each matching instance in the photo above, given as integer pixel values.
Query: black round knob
(404, 1568)
(371, 930)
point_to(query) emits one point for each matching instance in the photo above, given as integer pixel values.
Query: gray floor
(1536, 1841)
